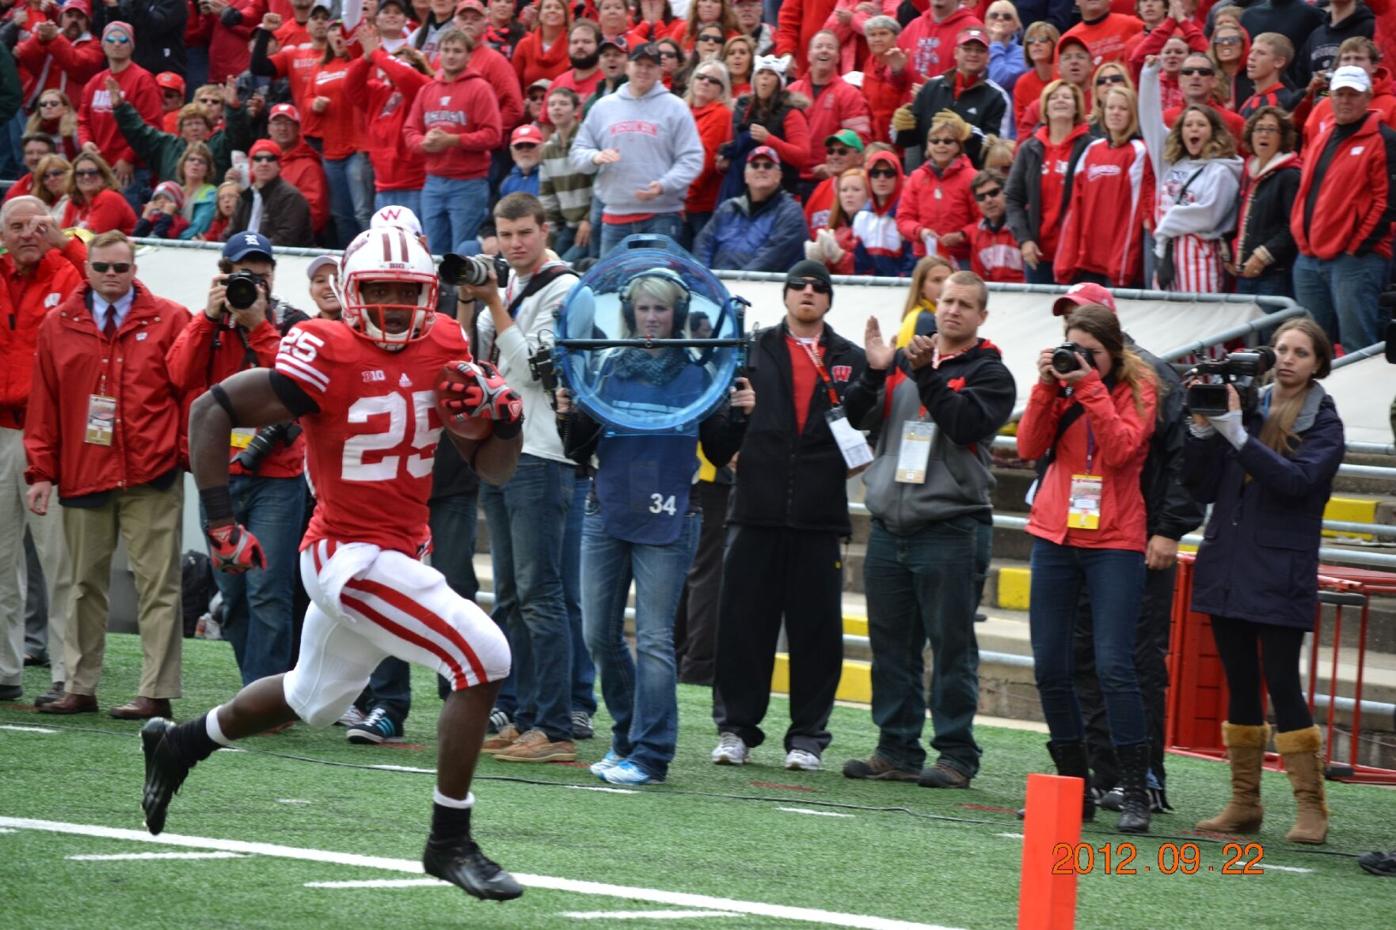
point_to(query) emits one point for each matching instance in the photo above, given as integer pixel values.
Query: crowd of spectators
(1207, 134)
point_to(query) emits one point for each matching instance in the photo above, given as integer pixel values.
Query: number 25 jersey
(371, 445)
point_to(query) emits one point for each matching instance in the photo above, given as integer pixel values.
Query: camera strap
(1069, 416)
(536, 283)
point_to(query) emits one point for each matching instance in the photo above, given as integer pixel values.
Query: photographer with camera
(1266, 462)
(1090, 417)
(241, 327)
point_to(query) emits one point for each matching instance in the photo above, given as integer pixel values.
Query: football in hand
(457, 391)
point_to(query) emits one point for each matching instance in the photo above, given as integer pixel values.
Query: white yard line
(811, 812)
(412, 867)
(644, 915)
(131, 857)
(1265, 866)
(382, 883)
(403, 768)
(601, 788)
(18, 729)
(1010, 836)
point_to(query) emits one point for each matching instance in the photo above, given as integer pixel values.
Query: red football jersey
(373, 442)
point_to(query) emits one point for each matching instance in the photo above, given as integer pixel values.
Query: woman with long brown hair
(1267, 468)
(1089, 419)
(94, 200)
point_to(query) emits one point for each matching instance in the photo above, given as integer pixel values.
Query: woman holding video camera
(1088, 423)
(1268, 472)
(641, 522)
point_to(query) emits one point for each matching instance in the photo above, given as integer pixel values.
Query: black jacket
(159, 28)
(1265, 210)
(285, 215)
(1024, 192)
(1171, 509)
(1293, 19)
(986, 107)
(789, 480)
(1320, 51)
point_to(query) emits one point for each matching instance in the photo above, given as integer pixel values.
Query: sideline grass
(906, 853)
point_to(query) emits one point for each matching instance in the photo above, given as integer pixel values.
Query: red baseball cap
(527, 133)
(82, 6)
(168, 80)
(763, 151)
(475, 5)
(1082, 295)
(286, 110)
(972, 34)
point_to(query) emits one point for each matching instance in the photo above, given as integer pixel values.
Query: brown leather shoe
(51, 695)
(142, 708)
(71, 703)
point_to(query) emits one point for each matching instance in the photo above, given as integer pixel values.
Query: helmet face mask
(392, 255)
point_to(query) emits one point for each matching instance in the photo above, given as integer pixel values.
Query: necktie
(109, 328)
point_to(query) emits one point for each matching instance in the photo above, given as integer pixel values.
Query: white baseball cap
(1351, 77)
(398, 218)
(321, 261)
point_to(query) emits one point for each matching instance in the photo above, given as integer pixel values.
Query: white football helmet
(391, 254)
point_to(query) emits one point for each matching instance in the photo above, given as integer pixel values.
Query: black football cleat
(464, 865)
(164, 772)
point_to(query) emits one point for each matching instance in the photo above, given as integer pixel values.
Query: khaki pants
(48, 538)
(148, 521)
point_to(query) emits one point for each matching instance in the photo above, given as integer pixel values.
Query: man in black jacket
(967, 91)
(790, 509)
(1172, 513)
(272, 206)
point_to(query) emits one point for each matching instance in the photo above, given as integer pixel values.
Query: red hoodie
(384, 89)
(342, 127)
(796, 24)
(466, 108)
(1055, 161)
(1113, 189)
(1383, 101)
(95, 120)
(298, 65)
(228, 51)
(714, 128)
(929, 45)
(531, 62)
(60, 64)
(1109, 38)
(940, 203)
(839, 105)
(301, 168)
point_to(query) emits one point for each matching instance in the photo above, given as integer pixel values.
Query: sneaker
(164, 772)
(730, 750)
(499, 719)
(941, 775)
(534, 746)
(626, 772)
(1379, 863)
(878, 768)
(501, 740)
(1112, 800)
(800, 760)
(608, 761)
(351, 717)
(465, 866)
(581, 725)
(378, 727)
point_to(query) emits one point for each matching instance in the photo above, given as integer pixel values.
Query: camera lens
(241, 290)
(456, 270)
(1065, 359)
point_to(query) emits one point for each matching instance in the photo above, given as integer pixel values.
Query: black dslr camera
(472, 270)
(267, 438)
(242, 288)
(1241, 370)
(1068, 357)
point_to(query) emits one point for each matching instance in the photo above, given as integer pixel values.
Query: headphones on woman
(681, 302)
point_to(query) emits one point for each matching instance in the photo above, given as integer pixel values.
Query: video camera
(472, 270)
(1241, 370)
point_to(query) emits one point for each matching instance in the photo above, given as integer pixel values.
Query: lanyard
(1090, 447)
(823, 374)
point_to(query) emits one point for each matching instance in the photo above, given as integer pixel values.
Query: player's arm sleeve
(292, 395)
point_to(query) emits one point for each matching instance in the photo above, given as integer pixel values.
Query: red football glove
(233, 549)
(477, 389)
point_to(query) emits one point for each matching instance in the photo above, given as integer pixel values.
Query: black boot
(1134, 767)
(1070, 759)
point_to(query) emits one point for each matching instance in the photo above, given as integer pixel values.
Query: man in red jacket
(268, 492)
(103, 424)
(1342, 215)
(455, 123)
(837, 105)
(37, 273)
(63, 55)
(300, 164)
(97, 127)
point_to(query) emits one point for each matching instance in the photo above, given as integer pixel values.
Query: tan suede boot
(1245, 746)
(1302, 752)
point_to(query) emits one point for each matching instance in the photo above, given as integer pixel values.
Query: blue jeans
(1280, 284)
(583, 669)
(923, 586)
(665, 224)
(351, 194)
(527, 520)
(1042, 274)
(257, 605)
(640, 693)
(1342, 295)
(412, 200)
(453, 210)
(1115, 580)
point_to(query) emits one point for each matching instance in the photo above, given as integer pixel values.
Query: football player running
(367, 396)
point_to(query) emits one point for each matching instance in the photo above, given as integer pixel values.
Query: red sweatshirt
(885, 90)
(228, 51)
(1108, 39)
(342, 123)
(384, 89)
(1027, 100)
(61, 64)
(301, 168)
(940, 203)
(839, 105)
(1113, 189)
(108, 211)
(1055, 160)
(531, 62)
(993, 253)
(714, 128)
(929, 45)
(298, 65)
(95, 120)
(796, 24)
(466, 108)
(496, 69)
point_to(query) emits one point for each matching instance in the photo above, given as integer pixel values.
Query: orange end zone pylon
(1047, 901)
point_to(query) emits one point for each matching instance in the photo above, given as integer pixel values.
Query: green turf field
(895, 855)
